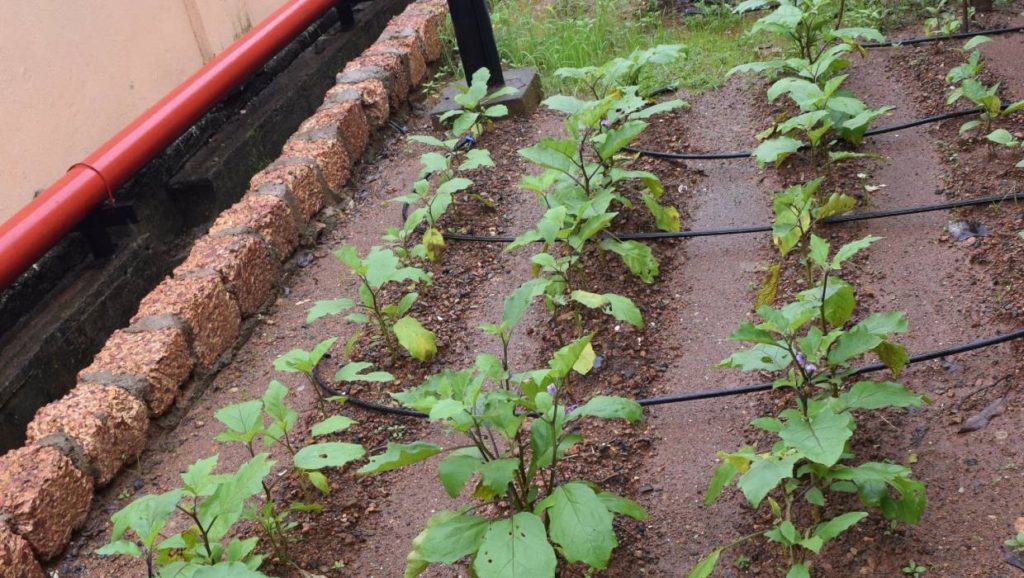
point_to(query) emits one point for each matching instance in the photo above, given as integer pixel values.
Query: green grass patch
(551, 34)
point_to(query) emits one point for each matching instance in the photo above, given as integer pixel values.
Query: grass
(550, 34)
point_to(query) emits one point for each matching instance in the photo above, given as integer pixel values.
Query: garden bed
(953, 292)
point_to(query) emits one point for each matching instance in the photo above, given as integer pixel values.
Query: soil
(953, 292)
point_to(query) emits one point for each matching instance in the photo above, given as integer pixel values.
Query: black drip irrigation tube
(700, 395)
(929, 39)
(747, 154)
(660, 235)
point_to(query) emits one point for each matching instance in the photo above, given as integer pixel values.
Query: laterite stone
(301, 178)
(373, 96)
(427, 24)
(16, 557)
(107, 422)
(160, 356)
(245, 264)
(387, 68)
(44, 497)
(346, 120)
(327, 151)
(207, 309)
(406, 42)
(267, 216)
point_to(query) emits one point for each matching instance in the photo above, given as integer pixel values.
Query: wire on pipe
(706, 394)
(660, 235)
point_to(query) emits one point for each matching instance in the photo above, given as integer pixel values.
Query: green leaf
(822, 439)
(302, 361)
(565, 359)
(244, 421)
(226, 504)
(665, 218)
(419, 342)
(610, 407)
(399, 455)
(836, 526)
(146, 517)
(580, 524)
(1002, 136)
(852, 248)
(776, 150)
(706, 566)
(854, 342)
(331, 307)
(638, 258)
(199, 479)
(750, 333)
(333, 424)
(450, 536)
(433, 244)
(893, 355)
(456, 469)
(798, 571)
(319, 482)
(624, 506)
(619, 307)
(723, 475)
(515, 548)
(619, 137)
(764, 475)
(879, 394)
(327, 455)
(352, 372)
(496, 475)
(519, 301)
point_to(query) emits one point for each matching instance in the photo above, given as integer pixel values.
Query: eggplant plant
(617, 73)
(518, 428)
(583, 190)
(444, 171)
(811, 344)
(828, 114)
(812, 26)
(379, 273)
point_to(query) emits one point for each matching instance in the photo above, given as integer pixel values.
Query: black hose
(748, 154)
(927, 39)
(659, 235)
(711, 393)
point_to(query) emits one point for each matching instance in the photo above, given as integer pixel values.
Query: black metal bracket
(346, 16)
(94, 228)
(475, 38)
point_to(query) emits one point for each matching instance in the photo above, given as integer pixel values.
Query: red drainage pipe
(38, 226)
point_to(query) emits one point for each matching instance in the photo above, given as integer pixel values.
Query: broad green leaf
(276, 408)
(433, 162)
(798, 571)
(515, 547)
(302, 361)
(852, 248)
(619, 505)
(764, 475)
(331, 307)
(353, 372)
(319, 482)
(399, 455)
(760, 357)
(706, 566)
(1002, 136)
(553, 154)
(417, 340)
(327, 455)
(879, 394)
(749, 333)
(456, 469)
(639, 258)
(199, 479)
(893, 355)
(244, 421)
(619, 137)
(224, 507)
(610, 407)
(665, 218)
(722, 477)
(433, 244)
(496, 475)
(146, 517)
(855, 342)
(882, 324)
(776, 150)
(822, 439)
(564, 360)
(331, 425)
(580, 524)
(450, 536)
(836, 526)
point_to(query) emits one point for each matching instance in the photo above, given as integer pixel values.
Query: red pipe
(37, 227)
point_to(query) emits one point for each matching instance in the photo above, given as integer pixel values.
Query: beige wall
(73, 72)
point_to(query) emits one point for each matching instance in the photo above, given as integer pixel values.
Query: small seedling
(914, 569)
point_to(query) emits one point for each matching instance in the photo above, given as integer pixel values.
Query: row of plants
(517, 422)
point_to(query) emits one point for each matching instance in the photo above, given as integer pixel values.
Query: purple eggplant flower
(570, 408)
(811, 369)
(552, 390)
(606, 123)
(800, 359)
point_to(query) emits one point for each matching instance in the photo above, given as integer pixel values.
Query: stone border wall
(193, 319)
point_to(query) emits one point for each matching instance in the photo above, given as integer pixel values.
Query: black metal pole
(475, 38)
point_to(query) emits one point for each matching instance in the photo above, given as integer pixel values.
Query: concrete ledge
(193, 318)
